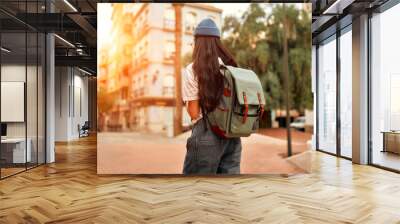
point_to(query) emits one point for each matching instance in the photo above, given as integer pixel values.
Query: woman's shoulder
(189, 66)
(189, 69)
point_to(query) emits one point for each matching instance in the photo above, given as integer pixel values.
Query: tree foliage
(256, 38)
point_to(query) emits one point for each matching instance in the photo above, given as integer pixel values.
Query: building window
(168, 85)
(145, 45)
(145, 84)
(169, 53)
(169, 18)
(190, 24)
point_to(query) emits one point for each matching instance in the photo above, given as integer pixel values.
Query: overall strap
(204, 114)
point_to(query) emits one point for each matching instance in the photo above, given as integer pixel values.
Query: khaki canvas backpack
(241, 105)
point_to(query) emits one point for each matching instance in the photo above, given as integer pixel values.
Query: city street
(137, 153)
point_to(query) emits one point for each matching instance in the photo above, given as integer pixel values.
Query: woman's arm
(193, 108)
(190, 93)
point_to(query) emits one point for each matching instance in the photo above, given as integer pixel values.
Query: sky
(104, 24)
(104, 20)
(231, 8)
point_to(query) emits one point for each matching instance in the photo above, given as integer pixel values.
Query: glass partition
(22, 88)
(41, 109)
(385, 89)
(346, 93)
(13, 94)
(327, 95)
(31, 97)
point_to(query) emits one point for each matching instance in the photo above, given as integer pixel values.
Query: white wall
(33, 126)
(61, 103)
(14, 73)
(71, 94)
(17, 73)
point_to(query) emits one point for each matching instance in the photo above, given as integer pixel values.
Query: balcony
(140, 64)
(141, 91)
(138, 92)
(168, 91)
(152, 101)
(140, 33)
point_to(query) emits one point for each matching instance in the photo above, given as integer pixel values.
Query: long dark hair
(206, 67)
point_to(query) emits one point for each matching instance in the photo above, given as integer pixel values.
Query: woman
(203, 84)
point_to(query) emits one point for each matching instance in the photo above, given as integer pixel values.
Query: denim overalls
(208, 153)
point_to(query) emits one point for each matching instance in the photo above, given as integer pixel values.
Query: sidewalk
(135, 153)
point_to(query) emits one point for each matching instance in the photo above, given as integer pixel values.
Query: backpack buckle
(246, 108)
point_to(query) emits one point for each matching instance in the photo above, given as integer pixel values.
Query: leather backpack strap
(246, 108)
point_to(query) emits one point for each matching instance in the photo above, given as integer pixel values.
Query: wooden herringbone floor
(69, 191)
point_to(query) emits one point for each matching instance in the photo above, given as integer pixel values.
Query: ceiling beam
(84, 24)
(337, 7)
(81, 61)
(320, 22)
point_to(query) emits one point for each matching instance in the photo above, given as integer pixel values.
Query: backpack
(241, 106)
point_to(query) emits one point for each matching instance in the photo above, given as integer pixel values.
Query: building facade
(142, 71)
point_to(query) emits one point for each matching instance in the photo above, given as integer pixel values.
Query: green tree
(256, 38)
(299, 43)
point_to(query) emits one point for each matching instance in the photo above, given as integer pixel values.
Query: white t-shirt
(190, 86)
(190, 90)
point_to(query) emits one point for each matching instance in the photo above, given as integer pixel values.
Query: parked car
(298, 123)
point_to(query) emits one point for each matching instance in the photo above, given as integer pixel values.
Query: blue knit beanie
(207, 27)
